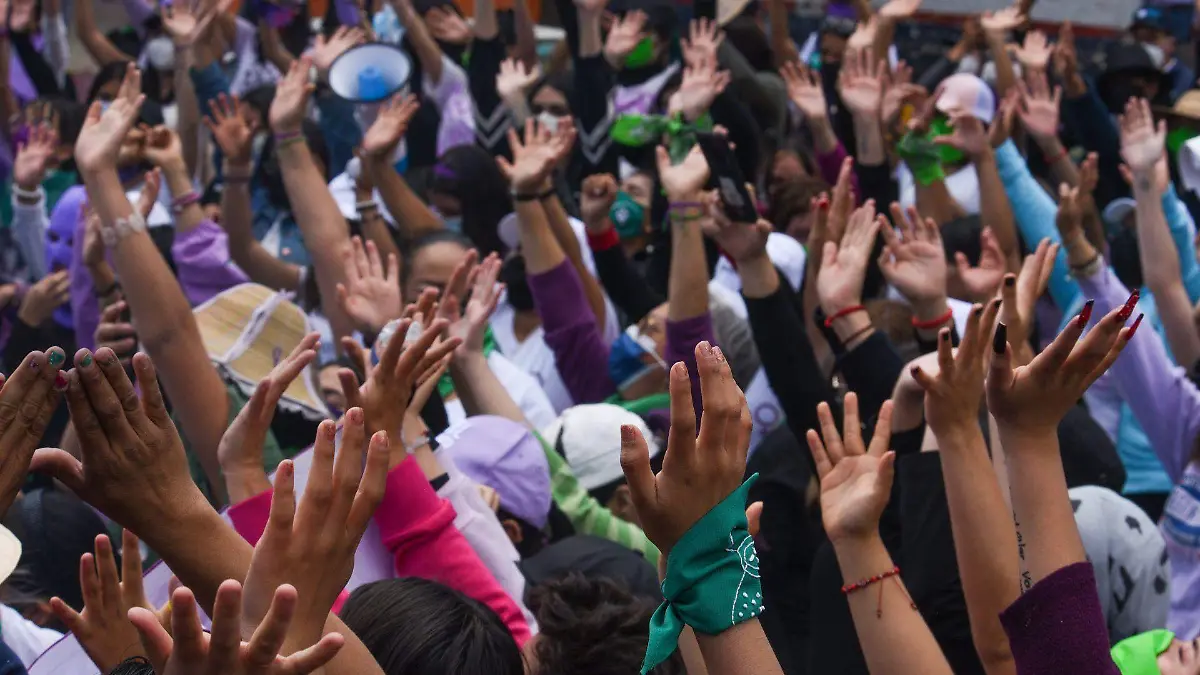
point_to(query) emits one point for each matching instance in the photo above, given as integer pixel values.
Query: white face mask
(160, 52)
(549, 121)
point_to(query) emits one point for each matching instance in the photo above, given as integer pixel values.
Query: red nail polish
(1127, 310)
(60, 381)
(1085, 314)
(1133, 329)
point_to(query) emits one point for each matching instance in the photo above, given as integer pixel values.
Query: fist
(596, 198)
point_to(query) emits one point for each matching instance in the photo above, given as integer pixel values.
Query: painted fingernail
(1127, 310)
(717, 353)
(86, 360)
(1085, 314)
(705, 348)
(1010, 281)
(914, 370)
(679, 371)
(996, 303)
(945, 335)
(1000, 339)
(628, 433)
(60, 381)
(1136, 322)
(56, 358)
(355, 415)
(977, 310)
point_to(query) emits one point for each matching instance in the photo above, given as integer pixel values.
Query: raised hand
(856, 480)
(21, 18)
(844, 266)
(471, 325)
(864, 34)
(163, 148)
(804, 89)
(448, 26)
(311, 545)
(624, 35)
(683, 180)
(28, 398)
(1069, 218)
(741, 241)
(103, 628)
(515, 79)
(969, 135)
(240, 452)
(701, 85)
(860, 83)
(187, 650)
(915, 262)
(899, 9)
(326, 51)
(1002, 21)
(1021, 292)
(1035, 53)
(185, 25)
(980, 282)
(389, 127)
(34, 156)
(104, 130)
(1034, 398)
(129, 446)
(898, 90)
(371, 295)
(596, 197)
(704, 38)
(533, 159)
(115, 333)
(1039, 106)
(699, 470)
(953, 394)
(233, 133)
(291, 99)
(48, 294)
(1066, 57)
(1143, 144)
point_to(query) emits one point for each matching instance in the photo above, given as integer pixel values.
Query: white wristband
(123, 227)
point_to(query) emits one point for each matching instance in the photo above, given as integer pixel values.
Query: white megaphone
(370, 73)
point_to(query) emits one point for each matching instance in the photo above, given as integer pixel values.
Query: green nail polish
(56, 358)
(86, 360)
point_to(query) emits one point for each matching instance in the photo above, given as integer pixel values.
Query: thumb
(754, 518)
(828, 253)
(59, 464)
(961, 262)
(635, 463)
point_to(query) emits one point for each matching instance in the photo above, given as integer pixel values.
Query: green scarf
(446, 385)
(636, 130)
(922, 156)
(644, 405)
(1138, 655)
(712, 579)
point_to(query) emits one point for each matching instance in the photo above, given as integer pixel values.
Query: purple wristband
(183, 201)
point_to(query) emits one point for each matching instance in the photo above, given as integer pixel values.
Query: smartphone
(727, 178)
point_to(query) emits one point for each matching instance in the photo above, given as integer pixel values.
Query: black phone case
(727, 178)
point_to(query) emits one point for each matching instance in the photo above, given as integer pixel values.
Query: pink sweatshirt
(417, 526)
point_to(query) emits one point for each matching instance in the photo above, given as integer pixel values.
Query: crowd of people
(683, 343)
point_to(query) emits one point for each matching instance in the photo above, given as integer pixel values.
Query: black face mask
(1125, 258)
(512, 273)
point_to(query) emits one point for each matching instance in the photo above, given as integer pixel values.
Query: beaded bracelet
(112, 233)
(863, 583)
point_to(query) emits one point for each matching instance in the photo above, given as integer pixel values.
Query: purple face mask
(60, 236)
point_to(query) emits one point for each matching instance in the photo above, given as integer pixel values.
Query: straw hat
(727, 10)
(1187, 107)
(247, 330)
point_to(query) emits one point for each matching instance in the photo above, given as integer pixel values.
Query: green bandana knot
(712, 579)
(922, 156)
(636, 130)
(1138, 655)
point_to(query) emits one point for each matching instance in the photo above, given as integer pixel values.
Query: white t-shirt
(785, 253)
(963, 186)
(520, 386)
(25, 638)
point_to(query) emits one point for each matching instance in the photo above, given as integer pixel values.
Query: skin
(1181, 658)
(787, 167)
(445, 204)
(330, 387)
(832, 48)
(431, 268)
(549, 98)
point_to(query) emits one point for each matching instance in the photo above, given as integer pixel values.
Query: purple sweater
(1058, 627)
(1167, 406)
(579, 349)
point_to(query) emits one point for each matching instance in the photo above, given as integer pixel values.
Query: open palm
(804, 89)
(856, 481)
(389, 127)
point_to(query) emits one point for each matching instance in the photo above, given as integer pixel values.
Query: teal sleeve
(1035, 213)
(1183, 233)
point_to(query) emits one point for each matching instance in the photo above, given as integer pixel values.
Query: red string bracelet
(933, 323)
(843, 312)
(859, 585)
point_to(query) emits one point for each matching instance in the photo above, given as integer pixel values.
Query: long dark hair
(470, 175)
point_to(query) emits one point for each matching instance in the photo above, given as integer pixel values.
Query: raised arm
(428, 53)
(96, 44)
(861, 85)
(412, 216)
(996, 27)
(161, 313)
(325, 231)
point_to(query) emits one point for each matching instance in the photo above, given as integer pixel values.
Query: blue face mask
(625, 358)
(627, 216)
(453, 223)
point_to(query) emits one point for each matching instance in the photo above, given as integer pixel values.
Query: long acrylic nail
(1127, 310)
(1000, 339)
(1085, 314)
(1136, 322)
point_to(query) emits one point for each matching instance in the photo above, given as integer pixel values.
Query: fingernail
(56, 357)
(945, 335)
(1000, 339)
(1085, 314)
(1010, 281)
(355, 415)
(914, 370)
(705, 348)
(679, 371)
(627, 433)
(285, 468)
(1127, 310)
(86, 360)
(977, 310)
(717, 353)
(996, 303)
(60, 381)
(1136, 322)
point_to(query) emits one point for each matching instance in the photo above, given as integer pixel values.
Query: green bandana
(636, 130)
(446, 385)
(712, 579)
(642, 406)
(642, 54)
(1138, 655)
(940, 126)
(922, 157)
(1177, 137)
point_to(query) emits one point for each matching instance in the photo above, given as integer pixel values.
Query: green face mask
(940, 126)
(627, 216)
(1177, 137)
(642, 54)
